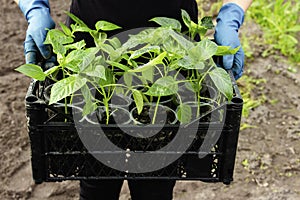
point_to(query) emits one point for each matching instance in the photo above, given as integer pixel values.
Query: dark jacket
(129, 13)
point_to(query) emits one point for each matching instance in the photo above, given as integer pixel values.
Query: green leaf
(291, 38)
(78, 60)
(51, 70)
(115, 42)
(66, 87)
(144, 50)
(57, 39)
(57, 36)
(89, 56)
(159, 36)
(152, 63)
(164, 86)
(206, 49)
(78, 28)
(115, 56)
(33, 71)
(181, 40)
(77, 45)
(188, 63)
(196, 28)
(106, 48)
(89, 106)
(184, 113)
(106, 26)
(95, 71)
(193, 87)
(66, 29)
(173, 48)
(295, 28)
(222, 81)
(207, 22)
(186, 18)
(119, 91)
(140, 38)
(99, 60)
(226, 50)
(167, 23)
(118, 65)
(73, 60)
(138, 99)
(86, 93)
(148, 74)
(128, 79)
(102, 37)
(109, 79)
(76, 19)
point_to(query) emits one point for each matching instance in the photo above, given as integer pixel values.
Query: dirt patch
(272, 170)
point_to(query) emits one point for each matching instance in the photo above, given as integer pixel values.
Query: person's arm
(229, 20)
(244, 4)
(37, 14)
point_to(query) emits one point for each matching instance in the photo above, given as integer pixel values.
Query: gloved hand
(37, 14)
(229, 20)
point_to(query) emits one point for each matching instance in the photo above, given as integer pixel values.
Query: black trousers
(139, 189)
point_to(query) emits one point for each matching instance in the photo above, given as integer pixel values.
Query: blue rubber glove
(37, 14)
(229, 20)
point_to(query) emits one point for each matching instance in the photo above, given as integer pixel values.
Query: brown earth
(272, 170)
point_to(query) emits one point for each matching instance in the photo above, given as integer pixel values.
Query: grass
(279, 21)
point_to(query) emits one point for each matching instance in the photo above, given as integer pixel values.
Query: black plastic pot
(199, 110)
(120, 100)
(117, 115)
(208, 93)
(147, 115)
(145, 136)
(117, 100)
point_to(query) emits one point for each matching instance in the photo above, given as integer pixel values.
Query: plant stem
(198, 107)
(155, 111)
(175, 77)
(106, 110)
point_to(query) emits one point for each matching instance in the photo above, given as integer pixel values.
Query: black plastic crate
(58, 152)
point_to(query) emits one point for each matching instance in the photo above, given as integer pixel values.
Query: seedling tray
(58, 153)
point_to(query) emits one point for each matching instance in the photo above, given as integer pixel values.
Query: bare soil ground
(272, 148)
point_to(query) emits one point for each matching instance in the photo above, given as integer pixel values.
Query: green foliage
(184, 113)
(138, 99)
(164, 52)
(66, 87)
(164, 86)
(167, 23)
(197, 29)
(222, 81)
(33, 71)
(279, 20)
(106, 26)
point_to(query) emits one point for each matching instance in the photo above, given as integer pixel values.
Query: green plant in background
(280, 22)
